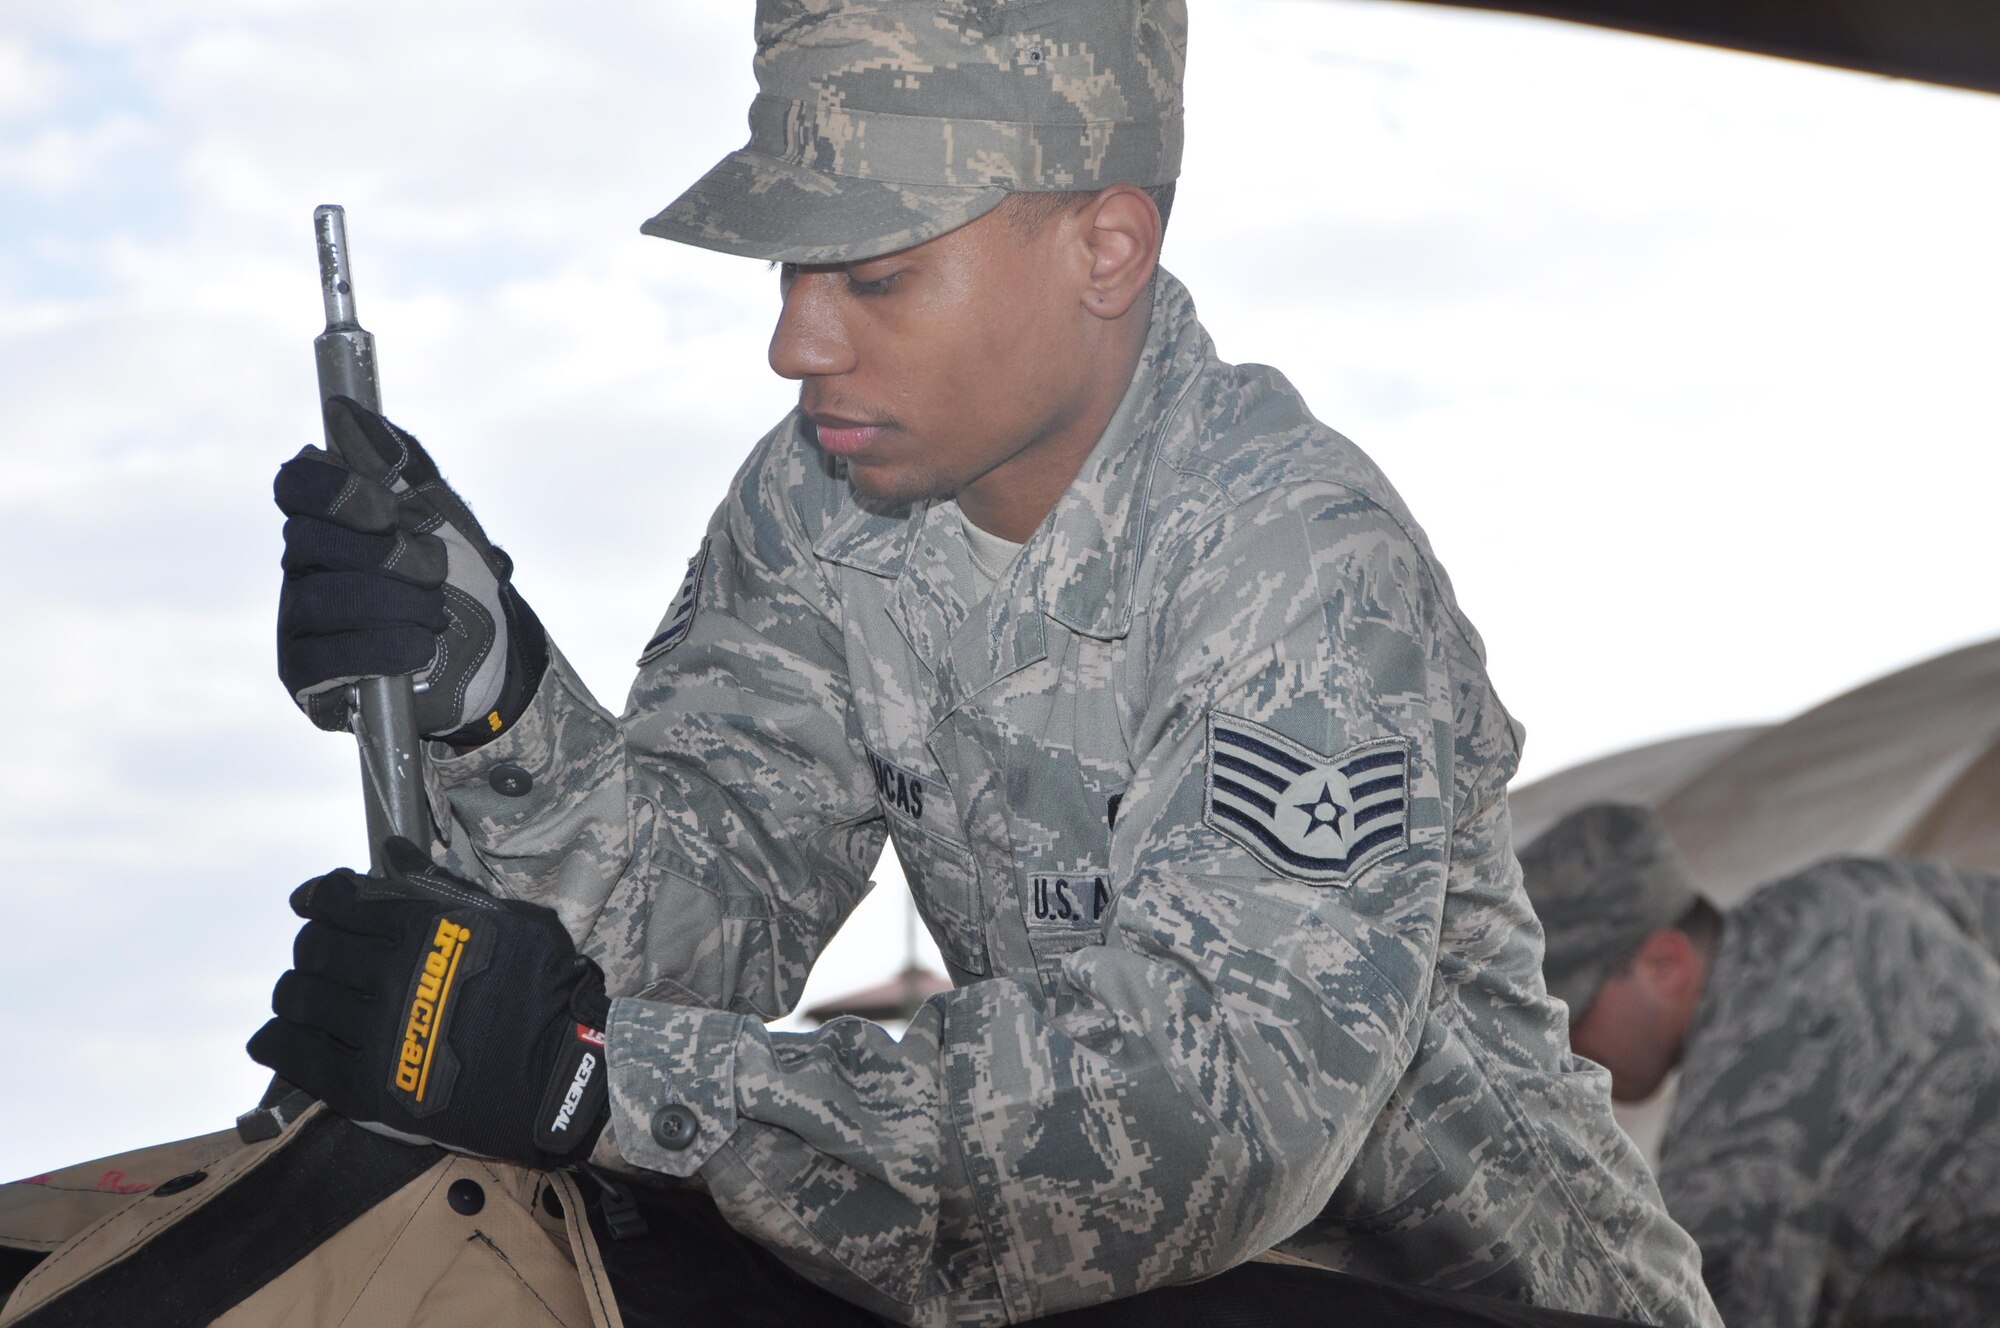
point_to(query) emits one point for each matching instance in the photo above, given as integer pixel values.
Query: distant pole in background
(912, 975)
(895, 999)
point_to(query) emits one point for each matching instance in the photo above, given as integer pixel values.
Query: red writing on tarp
(111, 1182)
(114, 1182)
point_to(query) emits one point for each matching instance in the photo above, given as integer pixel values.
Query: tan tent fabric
(1907, 764)
(1644, 775)
(42, 1212)
(415, 1257)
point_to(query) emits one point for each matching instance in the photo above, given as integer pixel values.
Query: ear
(1669, 963)
(1120, 230)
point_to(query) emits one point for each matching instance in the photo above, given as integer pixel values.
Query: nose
(811, 339)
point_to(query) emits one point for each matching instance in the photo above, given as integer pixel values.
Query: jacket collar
(1086, 554)
(872, 539)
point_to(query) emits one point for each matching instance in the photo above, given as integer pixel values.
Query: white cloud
(58, 159)
(28, 81)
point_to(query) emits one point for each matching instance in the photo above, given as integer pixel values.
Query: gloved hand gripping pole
(385, 709)
(385, 717)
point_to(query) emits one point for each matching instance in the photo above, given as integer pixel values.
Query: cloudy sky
(1685, 359)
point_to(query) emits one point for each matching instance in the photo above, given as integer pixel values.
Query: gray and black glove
(420, 1004)
(387, 572)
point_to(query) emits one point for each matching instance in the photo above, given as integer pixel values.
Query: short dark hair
(1032, 209)
(1700, 922)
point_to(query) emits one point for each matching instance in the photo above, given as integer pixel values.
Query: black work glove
(387, 572)
(418, 1005)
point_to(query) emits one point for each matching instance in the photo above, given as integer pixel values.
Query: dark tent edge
(1952, 42)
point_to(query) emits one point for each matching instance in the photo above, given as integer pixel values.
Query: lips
(844, 437)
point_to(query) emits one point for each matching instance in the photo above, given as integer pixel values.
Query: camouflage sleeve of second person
(705, 846)
(1831, 1149)
(1202, 1082)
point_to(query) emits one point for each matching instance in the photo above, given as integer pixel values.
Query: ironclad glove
(387, 572)
(418, 1005)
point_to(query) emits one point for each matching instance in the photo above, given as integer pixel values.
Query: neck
(1681, 1013)
(1017, 495)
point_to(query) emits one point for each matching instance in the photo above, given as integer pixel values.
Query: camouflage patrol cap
(1602, 879)
(879, 124)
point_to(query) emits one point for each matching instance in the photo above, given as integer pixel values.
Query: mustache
(819, 405)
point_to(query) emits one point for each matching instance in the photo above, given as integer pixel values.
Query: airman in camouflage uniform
(1834, 1145)
(1201, 792)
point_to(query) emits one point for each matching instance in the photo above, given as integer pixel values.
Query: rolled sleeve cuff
(514, 780)
(673, 1083)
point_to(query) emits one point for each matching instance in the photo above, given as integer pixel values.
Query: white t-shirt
(991, 555)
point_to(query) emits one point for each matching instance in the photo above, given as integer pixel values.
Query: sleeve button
(510, 781)
(675, 1127)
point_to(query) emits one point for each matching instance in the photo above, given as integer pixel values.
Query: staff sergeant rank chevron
(1314, 818)
(680, 614)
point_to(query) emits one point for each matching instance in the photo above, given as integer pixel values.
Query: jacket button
(465, 1197)
(675, 1127)
(510, 781)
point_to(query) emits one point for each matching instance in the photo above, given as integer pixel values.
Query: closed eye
(788, 273)
(879, 286)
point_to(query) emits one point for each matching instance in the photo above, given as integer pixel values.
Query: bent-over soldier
(1834, 1142)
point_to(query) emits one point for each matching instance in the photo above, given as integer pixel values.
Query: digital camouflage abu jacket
(1205, 805)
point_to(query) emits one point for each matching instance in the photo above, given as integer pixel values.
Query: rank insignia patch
(1319, 819)
(680, 614)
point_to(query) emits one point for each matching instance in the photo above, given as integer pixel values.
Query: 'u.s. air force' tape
(1314, 818)
(679, 620)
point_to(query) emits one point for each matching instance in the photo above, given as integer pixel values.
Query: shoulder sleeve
(1300, 749)
(707, 843)
(1971, 899)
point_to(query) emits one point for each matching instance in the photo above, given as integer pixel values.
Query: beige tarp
(1907, 764)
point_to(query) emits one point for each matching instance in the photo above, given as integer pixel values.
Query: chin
(1634, 1088)
(892, 487)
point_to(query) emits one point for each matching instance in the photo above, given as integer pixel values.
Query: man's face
(964, 365)
(1628, 1030)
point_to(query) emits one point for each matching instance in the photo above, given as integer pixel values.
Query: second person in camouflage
(1834, 1143)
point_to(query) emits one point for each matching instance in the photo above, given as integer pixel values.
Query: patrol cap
(1602, 879)
(879, 124)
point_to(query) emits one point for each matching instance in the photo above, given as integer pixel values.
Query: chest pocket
(945, 883)
(943, 876)
(1064, 912)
